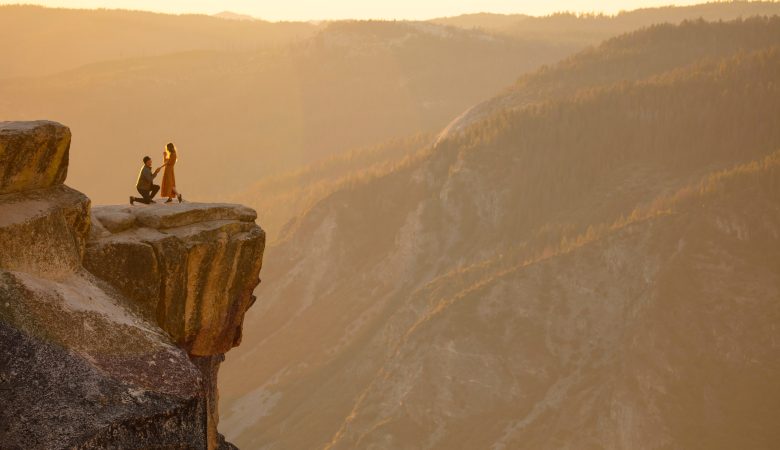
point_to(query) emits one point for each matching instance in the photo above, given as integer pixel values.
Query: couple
(145, 184)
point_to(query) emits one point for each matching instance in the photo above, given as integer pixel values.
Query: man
(145, 184)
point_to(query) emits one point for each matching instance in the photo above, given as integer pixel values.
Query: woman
(169, 177)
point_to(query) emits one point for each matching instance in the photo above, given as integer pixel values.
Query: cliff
(113, 320)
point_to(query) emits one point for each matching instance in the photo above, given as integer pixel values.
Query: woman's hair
(171, 149)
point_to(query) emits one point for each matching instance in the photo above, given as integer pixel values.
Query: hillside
(628, 339)
(551, 277)
(286, 196)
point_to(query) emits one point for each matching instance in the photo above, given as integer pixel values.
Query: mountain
(239, 116)
(593, 269)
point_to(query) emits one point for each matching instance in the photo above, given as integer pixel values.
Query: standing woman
(169, 177)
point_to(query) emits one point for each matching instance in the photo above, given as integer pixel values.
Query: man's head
(148, 161)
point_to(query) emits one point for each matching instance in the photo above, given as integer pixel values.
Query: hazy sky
(360, 9)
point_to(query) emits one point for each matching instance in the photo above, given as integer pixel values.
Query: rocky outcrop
(190, 267)
(113, 321)
(163, 257)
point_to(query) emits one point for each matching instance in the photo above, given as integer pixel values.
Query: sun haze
(357, 9)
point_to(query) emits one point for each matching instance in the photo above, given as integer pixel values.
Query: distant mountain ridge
(593, 28)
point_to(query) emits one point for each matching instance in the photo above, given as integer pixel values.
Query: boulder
(44, 230)
(33, 155)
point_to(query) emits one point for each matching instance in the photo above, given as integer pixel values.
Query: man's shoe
(132, 201)
(169, 200)
(179, 197)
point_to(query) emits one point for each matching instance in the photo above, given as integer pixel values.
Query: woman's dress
(169, 178)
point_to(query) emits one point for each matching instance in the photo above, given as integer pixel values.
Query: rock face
(113, 323)
(163, 258)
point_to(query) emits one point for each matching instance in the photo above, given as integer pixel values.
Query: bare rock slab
(44, 230)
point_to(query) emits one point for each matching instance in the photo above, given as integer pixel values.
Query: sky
(359, 9)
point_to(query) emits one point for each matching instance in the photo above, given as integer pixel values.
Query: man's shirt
(145, 179)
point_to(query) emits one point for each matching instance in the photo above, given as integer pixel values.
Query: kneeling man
(145, 184)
